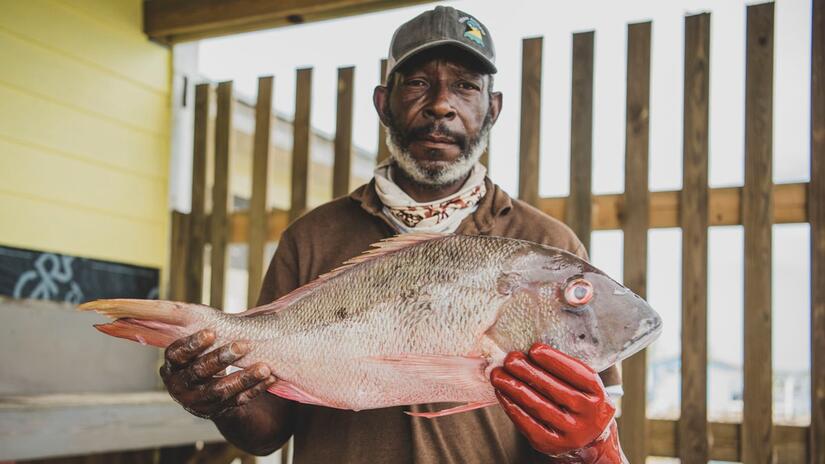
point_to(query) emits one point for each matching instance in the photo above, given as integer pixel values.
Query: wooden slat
(197, 216)
(816, 215)
(757, 213)
(300, 142)
(343, 133)
(636, 221)
(178, 256)
(608, 210)
(383, 151)
(61, 425)
(220, 194)
(179, 20)
(581, 138)
(791, 441)
(693, 427)
(530, 133)
(257, 204)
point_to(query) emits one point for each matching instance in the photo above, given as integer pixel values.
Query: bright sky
(362, 41)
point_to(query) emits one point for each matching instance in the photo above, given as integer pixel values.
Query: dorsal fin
(381, 248)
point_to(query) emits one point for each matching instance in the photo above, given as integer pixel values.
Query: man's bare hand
(190, 378)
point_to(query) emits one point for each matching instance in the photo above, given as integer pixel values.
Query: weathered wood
(757, 213)
(383, 151)
(343, 133)
(693, 427)
(44, 341)
(609, 210)
(172, 21)
(257, 205)
(179, 248)
(197, 216)
(220, 194)
(61, 425)
(816, 216)
(791, 441)
(530, 132)
(636, 221)
(300, 142)
(579, 212)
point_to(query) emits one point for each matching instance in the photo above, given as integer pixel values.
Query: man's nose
(439, 106)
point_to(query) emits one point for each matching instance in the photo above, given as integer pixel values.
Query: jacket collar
(494, 204)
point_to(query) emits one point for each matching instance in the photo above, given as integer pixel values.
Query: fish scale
(421, 318)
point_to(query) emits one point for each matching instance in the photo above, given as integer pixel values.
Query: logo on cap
(473, 30)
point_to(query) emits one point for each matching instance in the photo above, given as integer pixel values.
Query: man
(438, 106)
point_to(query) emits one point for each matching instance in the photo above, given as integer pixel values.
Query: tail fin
(148, 322)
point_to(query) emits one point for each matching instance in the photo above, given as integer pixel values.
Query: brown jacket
(336, 231)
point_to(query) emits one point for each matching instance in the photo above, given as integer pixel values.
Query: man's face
(438, 112)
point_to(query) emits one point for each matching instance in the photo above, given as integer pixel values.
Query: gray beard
(448, 171)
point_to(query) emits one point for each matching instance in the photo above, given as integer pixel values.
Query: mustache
(434, 129)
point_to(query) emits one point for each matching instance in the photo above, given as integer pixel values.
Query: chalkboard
(57, 277)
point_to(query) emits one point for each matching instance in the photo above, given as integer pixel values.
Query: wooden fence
(757, 206)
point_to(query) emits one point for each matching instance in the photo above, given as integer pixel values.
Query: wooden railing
(757, 206)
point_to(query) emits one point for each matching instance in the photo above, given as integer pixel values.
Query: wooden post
(530, 136)
(197, 217)
(220, 193)
(757, 219)
(258, 225)
(178, 258)
(383, 151)
(816, 216)
(579, 210)
(636, 215)
(693, 426)
(300, 143)
(343, 133)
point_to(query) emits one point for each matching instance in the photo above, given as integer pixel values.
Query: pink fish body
(420, 318)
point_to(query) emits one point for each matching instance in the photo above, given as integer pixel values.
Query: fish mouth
(641, 341)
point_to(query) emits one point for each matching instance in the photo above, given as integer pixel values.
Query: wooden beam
(257, 204)
(341, 165)
(530, 133)
(197, 216)
(171, 21)
(694, 219)
(636, 223)
(579, 213)
(220, 194)
(383, 151)
(300, 142)
(59, 425)
(757, 215)
(792, 442)
(609, 211)
(816, 215)
(178, 259)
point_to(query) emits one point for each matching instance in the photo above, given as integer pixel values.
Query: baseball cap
(443, 25)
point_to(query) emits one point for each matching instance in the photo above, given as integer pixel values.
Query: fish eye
(578, 292)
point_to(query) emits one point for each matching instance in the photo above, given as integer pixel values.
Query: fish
(418, 318)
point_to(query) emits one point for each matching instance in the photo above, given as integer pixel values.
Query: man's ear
(380, 98)
(496, 100)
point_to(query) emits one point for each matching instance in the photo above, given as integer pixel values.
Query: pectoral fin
(455, 410)
(463, 372)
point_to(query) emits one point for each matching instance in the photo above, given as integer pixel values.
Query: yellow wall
(84, 130)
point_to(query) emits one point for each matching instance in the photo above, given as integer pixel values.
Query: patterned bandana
(443, 215)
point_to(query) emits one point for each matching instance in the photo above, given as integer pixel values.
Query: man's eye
(467, 86)
(416, 83)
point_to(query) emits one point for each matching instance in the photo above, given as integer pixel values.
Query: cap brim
(489, 66)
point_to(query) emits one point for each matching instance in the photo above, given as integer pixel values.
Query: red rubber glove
(560, 405)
